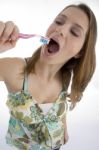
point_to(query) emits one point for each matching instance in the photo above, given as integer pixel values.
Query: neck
(47, 72)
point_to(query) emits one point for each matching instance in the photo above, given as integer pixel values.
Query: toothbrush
(43, 39)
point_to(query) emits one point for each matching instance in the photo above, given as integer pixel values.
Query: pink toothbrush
(43, 39)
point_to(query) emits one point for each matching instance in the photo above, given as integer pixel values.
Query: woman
(42, 81)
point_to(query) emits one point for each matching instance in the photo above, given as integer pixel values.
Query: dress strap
(25, 81)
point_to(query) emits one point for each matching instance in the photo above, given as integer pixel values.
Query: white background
(34, 16)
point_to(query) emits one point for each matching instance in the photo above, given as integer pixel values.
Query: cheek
(72, 48)
(76, 46)
(49, 30)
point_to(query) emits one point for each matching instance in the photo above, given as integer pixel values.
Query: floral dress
(31, 129)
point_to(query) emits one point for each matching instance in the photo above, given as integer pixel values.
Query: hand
(9, 33)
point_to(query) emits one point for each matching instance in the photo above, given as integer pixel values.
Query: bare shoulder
(9, 67)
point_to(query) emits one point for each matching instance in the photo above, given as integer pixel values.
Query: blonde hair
(82, 68)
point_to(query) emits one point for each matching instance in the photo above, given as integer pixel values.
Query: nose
(62, 30)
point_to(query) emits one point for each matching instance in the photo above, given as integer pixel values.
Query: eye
(58, 22)
(74, 33)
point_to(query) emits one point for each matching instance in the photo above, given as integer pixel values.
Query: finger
(15, 33)
(9, 26)
(7, 46)
(2, 26)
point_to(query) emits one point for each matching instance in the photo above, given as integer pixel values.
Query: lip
(46, 53)
(56, 40)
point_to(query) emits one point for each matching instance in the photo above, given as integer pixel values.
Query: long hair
(81, 69)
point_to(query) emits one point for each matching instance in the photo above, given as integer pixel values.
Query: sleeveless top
(45, 107)
(29, 128)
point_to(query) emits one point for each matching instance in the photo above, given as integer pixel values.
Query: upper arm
(9, 67)
(4, 62)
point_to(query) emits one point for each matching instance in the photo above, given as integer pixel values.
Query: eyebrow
(79, 26)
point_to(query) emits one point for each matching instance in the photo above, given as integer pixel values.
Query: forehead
(76, 16)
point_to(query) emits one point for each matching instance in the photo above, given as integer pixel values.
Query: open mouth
(53, 46)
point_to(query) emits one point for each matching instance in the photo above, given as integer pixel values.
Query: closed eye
(59, 22)
(74, 33)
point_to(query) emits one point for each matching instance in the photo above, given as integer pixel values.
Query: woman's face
(68, 32)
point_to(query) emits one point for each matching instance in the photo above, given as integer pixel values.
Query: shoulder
(11, 66)
(15, 60)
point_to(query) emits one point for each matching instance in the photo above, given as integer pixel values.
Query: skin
(69, 28)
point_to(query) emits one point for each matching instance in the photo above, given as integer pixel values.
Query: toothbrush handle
(43, 39)
(26, 36)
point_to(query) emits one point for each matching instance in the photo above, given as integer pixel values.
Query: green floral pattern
(29, 128)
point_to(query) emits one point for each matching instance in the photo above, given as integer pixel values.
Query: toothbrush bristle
(44, 41)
